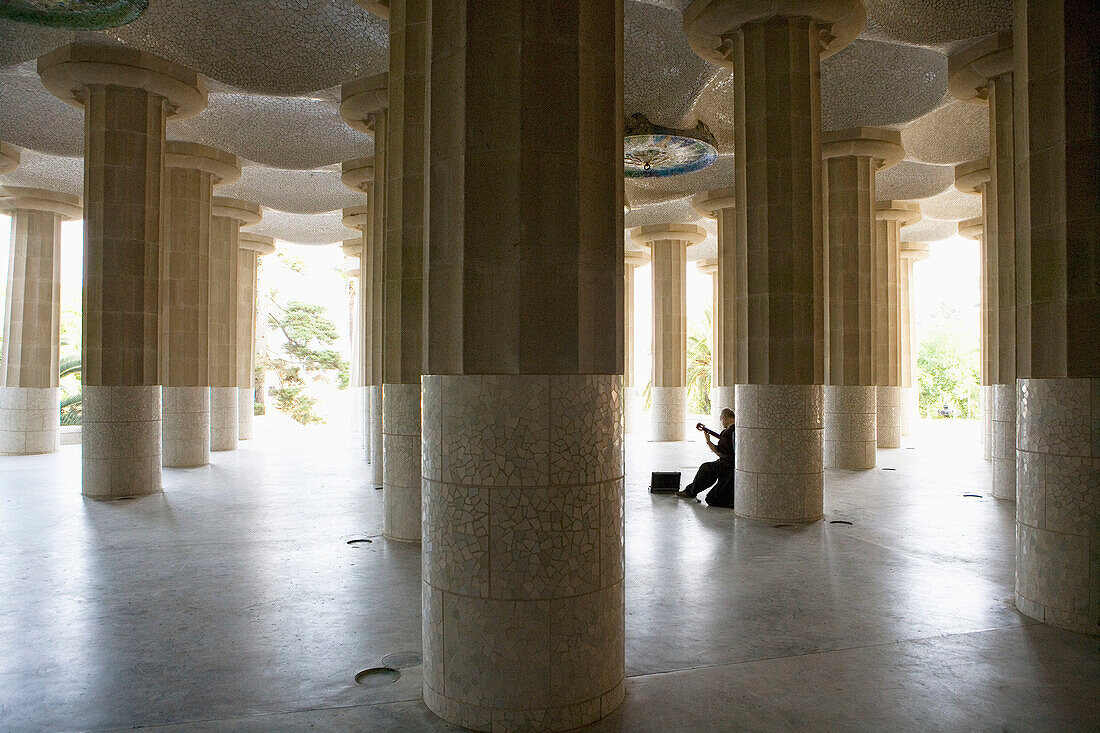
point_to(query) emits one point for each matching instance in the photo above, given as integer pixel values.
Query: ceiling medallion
(652, 151)
(78, 14)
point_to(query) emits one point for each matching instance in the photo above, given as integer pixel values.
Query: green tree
(306, 331)
(948, 370)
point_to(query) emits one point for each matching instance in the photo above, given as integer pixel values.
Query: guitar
(708, 431)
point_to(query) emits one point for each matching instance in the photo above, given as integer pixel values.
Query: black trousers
(709, 474)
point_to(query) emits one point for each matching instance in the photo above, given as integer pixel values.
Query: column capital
(257, 243)
(352, 247)
(13, 198)
(689, 233)
(9, 158)
(709, 203)
(244, 212)
(971, 228)
(637, 257)
(970, 176)
(969, 70)
(916, 251)
(361, 98)
(67, 71)
(709, 24)
(192, 156)
(708, 266)
(359, 217)
(871, 142)
(356, 174)
(907, 212)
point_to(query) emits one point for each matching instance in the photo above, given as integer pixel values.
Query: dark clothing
(725, 445)
(718, 474)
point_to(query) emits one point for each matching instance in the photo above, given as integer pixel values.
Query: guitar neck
(708, 431)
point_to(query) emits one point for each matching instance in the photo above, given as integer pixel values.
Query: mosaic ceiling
(273, 68)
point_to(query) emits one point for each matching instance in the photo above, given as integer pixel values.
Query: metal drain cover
(377, 677)
(360, 541)
(840, 521)
(402, 660)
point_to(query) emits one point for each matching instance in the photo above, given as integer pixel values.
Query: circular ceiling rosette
(657, 156)
(78, 14)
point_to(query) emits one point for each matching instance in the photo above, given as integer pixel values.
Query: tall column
(668, 395)
(252, 247)
(911, 253)
(973, 178)
(403, 293)
(851, 406)
(353, 250)
(777, 107)
(364, 106)
(983, 74)
(29, 412)
(127, 95)
(1058, 298)
(709, 267)
(523, 464)
(227, 216)
(632, 397)
(718, 204)
(187, 294)
(359, 176)
(890, 217)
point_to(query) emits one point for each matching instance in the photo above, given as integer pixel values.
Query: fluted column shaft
(632, 397)
(911, 253)
(719, 204)
(252, 247)
(887, 322)
(29, 370)
(1057, 72)
(225, 229)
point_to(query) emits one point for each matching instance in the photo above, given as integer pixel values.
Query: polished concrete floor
(233, 602)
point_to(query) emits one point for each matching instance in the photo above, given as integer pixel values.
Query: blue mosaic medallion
(79, 14)
(657, 156)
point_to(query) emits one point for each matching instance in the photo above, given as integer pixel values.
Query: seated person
(714, 472)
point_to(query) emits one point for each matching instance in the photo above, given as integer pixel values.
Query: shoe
(686, 493)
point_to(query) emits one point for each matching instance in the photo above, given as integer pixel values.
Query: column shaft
(632, 402)
(381, 168)
(887, 257)
(247, 267)
(223, 293)
(669, 391)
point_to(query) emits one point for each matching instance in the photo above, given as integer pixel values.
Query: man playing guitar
(717, 472)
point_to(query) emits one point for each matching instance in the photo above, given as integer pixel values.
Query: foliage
(71, 390)
(295, 264)
(948, 371)
(302, 359)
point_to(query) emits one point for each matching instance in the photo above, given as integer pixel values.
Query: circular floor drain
(377, 488)
(840, 521)
(377, 677)
(973, 496)
(889, 469)
(402, 660)
(360, 541)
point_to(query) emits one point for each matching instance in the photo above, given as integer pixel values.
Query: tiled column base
(246, 409)
(1058, 502)
(120, 439)
(401, 461)
(523, 550)
(908, 407)
(888, 422)
(1004, 441)
(633, 409)
(985, 415)
(850, 414)
(374, 471)
(668, 413)
(779, 452)
(29, 420)
(186, 427)
(224, 422)
(721, 397)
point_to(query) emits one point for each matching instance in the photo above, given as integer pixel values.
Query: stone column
(719, 204)
(668, 395)
(353, 250)
(403, 293)
(982, 74)
(359, 175)
(973, 178)
(1058, 298)
(911, 253)
(29, 400)
(523, 464)
(851, 405)
(709, 267)
(364, 107)
(890, 217)
(127, 95)
(187, 292)
(775, 59)
(227, 217)
(252, 247)
(632, 396)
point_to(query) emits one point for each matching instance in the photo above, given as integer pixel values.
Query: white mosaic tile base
(120, 441)
(1003, 441)
(401, 462)
(523, 561)
(185, 427)
(246, 409)
(1058, 502)
(721, 397)
(888, 423)
(224, 422)
(668, 413)
(850, 414)
(29, 420)
(374, 470)
(985, 415)
(779, 439)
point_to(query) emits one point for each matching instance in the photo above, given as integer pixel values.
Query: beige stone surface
(9, 157)
(719, 204)
(185, 426)
(632, 399)
(890, 217)
(252, 247)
